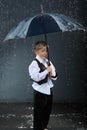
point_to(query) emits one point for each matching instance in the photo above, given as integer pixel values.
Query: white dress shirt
(38, 76)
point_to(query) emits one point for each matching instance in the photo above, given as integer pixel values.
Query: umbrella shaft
(47, 50)
(48, 56)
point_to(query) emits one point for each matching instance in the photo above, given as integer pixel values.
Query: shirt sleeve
(34, 72)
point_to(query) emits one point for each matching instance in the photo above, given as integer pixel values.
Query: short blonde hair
(40, 44)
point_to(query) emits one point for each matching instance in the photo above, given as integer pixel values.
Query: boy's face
(42, 53)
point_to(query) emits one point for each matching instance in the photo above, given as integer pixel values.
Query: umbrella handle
(47, 50)
(48, 63)
(48, 56)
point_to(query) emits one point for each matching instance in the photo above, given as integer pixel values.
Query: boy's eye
(43, 50)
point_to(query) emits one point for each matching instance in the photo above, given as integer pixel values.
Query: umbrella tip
(42, 10)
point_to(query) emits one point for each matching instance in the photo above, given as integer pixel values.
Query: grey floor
(16, 116)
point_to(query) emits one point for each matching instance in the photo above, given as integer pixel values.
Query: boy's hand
(49, 68)
(52, 74)
(51, 71)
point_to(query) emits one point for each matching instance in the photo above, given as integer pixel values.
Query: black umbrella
(42, 24)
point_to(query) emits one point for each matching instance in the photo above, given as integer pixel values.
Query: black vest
(42, 68)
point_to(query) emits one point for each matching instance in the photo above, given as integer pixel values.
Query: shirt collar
(40, 59)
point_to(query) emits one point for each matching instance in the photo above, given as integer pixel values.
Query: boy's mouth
(44, 57)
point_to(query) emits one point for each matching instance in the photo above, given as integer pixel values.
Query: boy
(42, 75)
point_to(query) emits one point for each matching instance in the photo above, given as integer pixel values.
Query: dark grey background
(67, 51)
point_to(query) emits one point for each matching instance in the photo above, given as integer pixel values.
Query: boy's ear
(35, 51)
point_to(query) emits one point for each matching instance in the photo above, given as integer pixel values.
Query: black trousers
(42, 110)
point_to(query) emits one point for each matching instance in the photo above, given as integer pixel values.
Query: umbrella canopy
(42, 24)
